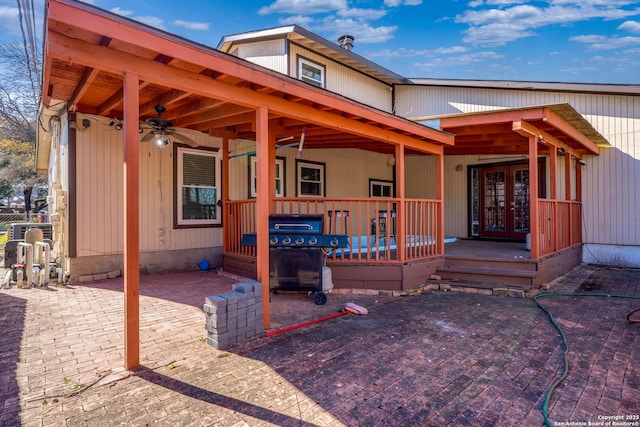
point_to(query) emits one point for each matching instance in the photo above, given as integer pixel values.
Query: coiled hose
(545, 406)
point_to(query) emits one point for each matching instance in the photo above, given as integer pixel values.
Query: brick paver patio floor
(435, 359)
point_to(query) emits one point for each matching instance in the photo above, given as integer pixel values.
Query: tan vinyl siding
(100, 204)
(345, 81)
(611, 195)
(270, 54)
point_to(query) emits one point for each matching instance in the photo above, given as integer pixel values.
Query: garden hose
(545, 406)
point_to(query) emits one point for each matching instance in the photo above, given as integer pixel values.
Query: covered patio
(533, 158)
(104, 64)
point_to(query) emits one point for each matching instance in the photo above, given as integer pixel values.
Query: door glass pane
(494, 201)
(521, 205)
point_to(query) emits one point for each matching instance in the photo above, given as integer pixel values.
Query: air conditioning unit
(17, 230)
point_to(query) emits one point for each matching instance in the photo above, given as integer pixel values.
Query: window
(311, 72)
(280, 176)
(380, 188)
(197, 187)
(310, 179)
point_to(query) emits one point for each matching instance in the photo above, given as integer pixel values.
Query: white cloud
(9, 23)
(408, 53)
(598, 42)
(303, 21)
(303, 7)
(361, 30)
(459, 60)
(497, 26)
(122, 12)
(448, 50)
(396, 3)
(631, 26)
(362, 13)
(152, 21)
(190, 25)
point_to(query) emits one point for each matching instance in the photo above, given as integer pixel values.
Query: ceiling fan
(160, 130)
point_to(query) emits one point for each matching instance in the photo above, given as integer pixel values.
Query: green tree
(20, 77)
(17, 171)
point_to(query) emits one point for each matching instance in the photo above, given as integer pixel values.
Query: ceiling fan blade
(185, 139)
(148, 137)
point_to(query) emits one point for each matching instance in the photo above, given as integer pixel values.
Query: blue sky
(591, 41)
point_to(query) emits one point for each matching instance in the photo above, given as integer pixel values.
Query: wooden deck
(489, 263)
(474, 263)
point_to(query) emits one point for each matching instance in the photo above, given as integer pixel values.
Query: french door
(504, 202)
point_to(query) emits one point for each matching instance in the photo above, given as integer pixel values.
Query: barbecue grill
(297, 246)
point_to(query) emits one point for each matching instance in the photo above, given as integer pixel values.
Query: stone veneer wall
(234, 316)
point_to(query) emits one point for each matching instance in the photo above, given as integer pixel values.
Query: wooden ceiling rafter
(87, 78)
(215, 93)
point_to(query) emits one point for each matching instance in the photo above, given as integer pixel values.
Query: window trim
(252, 175)
(323, 177)
(178, 150)
(301, 60)
(383, 183)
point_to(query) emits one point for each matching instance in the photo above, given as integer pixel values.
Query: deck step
(489, 276)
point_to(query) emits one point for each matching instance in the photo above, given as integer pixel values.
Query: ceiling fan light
(161, 140)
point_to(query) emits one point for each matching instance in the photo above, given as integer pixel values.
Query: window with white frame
(280, 176)
(197, 187)
(380, 188)
(311, 72)
(310, 179)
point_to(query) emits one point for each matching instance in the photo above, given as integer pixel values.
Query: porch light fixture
(582, 162)
(116, 123)
(562, 150)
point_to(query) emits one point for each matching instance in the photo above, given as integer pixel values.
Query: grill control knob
(334, 242)
(313, 241)
(286, 240)
(273, 240)
(300, 241)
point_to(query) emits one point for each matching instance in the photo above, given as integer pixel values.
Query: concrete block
(500, 292)
(85, 278)
(217, 322)
(216, 301)
(430, 287)
(435, 277)
(231, 295)
(532, 293)
(516, 293)
(245, 287)
(101, 276)
(445, 286)
(113, 274)
(213, 310)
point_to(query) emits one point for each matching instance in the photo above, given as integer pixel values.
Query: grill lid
(296, 223)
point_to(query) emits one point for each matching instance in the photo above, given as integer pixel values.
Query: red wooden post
(225, 195)
(440, 199)
(555, 231)
(131, 223)
(534, 225)
(263, 197)
(401, 220)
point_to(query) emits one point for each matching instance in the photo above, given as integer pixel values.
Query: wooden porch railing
(371, 225)
(560, 225)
